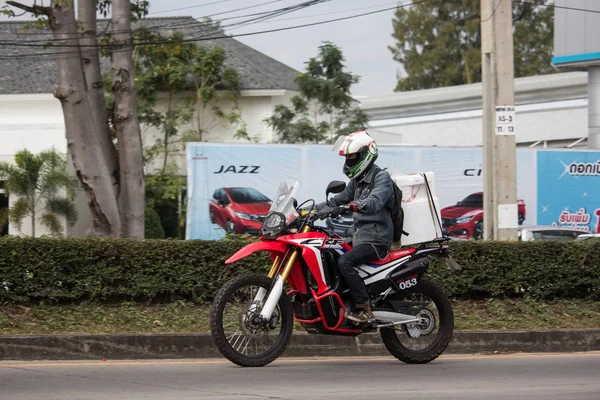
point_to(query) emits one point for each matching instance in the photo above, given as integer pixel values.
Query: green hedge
(544, 270)
(152, 226)
(68, 270)
(54, 270)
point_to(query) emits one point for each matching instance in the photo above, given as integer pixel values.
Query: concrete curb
(161, 346)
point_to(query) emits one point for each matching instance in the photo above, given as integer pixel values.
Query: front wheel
(424, 341)
(239, 334)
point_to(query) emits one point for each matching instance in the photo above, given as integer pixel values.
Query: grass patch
(526, 314)
(185, 317)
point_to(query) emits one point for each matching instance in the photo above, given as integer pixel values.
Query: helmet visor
(341, 144)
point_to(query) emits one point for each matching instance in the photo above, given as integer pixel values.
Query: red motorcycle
(252, 315)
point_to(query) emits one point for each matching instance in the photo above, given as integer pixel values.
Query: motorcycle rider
(372, 238)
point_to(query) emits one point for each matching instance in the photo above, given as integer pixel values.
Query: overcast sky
(363, 40)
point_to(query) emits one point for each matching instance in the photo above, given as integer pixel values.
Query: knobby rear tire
(218, 333)
(446, 328)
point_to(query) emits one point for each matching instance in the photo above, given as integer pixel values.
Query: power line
(555, 6)
(196, 6)
(203, 29)
(330, 13)
(230, 36)
(183, 24)
(66, 54)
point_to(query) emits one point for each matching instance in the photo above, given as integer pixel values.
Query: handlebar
(322, 214)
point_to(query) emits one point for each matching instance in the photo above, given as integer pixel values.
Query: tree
(192, 79)
(153, 227)
(323, 110)
(37, 181)
(131, 199)
(438, 42)
(113, 180)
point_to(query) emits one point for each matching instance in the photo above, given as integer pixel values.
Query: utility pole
(500, 220)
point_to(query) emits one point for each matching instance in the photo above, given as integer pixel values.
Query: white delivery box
(420, 220)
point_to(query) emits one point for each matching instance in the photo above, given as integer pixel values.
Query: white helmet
(361, 144)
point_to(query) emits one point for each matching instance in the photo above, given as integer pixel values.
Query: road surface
(524, 376)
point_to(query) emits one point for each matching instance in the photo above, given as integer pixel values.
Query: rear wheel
(424, 341)
(237, 329)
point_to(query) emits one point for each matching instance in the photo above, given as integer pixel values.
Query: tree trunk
(166, 143)
(86, 11)
(82, 141)
(131, 165)
(33, 216)
(199, 113)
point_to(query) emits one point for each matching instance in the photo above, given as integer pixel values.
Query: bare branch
(35, 9)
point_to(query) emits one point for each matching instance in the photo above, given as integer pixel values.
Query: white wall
(34, 122)
(542, 121)
(26, 223)
(254, 106)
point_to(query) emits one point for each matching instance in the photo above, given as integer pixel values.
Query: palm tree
(37, 181)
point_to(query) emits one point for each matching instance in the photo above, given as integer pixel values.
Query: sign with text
(230, 186)
(569, 189)
(505, 120)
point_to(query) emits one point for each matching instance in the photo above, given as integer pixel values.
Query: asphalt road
(530, 376)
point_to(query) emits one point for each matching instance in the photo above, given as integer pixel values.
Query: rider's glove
(337, 211)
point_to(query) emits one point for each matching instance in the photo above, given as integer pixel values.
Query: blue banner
(569, 189)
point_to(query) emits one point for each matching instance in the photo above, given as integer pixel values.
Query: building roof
(452, 99)
(26, 70)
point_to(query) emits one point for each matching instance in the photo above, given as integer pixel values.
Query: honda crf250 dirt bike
(252, 315)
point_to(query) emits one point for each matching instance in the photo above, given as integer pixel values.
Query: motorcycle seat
(394, 255)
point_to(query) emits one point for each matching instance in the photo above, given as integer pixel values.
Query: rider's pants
(348, 264)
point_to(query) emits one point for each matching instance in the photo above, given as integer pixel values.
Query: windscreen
(283, 201)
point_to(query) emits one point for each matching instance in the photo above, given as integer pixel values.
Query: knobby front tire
(227, 343)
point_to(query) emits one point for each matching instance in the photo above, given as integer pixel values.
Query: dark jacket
(373, 222)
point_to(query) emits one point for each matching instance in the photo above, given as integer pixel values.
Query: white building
(30, 116)
(551, 112)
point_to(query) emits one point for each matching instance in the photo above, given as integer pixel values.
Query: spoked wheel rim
(422, 335)
(245, 332)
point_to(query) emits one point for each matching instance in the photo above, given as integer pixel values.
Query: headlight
(245, 216)
(250, 217)
(273, 224)
(462, 220)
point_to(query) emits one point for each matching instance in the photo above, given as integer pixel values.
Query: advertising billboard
(569, 189)
(230, 186)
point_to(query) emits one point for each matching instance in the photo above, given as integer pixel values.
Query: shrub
(59, 270)
(71, 270)
(544, 270)
(152, 226)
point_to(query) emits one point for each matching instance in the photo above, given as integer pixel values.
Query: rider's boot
(363, 314)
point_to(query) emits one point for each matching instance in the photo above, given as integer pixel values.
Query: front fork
(277, 286)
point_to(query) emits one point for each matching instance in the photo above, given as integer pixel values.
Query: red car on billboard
(465, 219)
(239, 209)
